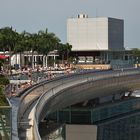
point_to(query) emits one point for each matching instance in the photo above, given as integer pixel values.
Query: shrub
(4, 80)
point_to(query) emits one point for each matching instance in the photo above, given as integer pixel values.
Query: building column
(54, 61)
(35, 61)
(18, 59)
(43, 59)
(91, 121)
(104, 58)
(46, 64)
(57, 115)
(23, 60)
(29, 59)
(107, 57)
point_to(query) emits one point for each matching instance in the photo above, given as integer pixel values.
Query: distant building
(90, 34)
(96, 40)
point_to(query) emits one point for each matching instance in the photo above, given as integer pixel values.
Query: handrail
(42, 84)
(52, 92)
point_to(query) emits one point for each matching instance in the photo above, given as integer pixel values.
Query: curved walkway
(58, 86)
(68, 94)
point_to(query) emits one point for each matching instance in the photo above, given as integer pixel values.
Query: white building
(96, 40)
(26, 58)
(101, 33)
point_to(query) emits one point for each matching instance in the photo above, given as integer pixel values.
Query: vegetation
(3, 82)
(64, 51)
(136, 54)
(41, 42)
(3, 100)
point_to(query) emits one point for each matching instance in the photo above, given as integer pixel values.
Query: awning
(3, 56)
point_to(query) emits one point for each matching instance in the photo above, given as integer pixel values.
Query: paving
(15, 103)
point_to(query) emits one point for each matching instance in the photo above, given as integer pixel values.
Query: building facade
(96, 40)
(90, 34)
(117, 120)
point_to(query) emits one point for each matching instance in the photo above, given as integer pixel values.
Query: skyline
(32, 16)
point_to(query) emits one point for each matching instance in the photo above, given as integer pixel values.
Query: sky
(35, 15)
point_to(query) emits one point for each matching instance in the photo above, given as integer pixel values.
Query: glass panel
(5, 123)
(80, 117)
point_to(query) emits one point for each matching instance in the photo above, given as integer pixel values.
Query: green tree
(136, 54)
(24, 43)
(48, 42)
(8, 39)
(31, 41)
(3, 82)
(68, 50)
(64, 50)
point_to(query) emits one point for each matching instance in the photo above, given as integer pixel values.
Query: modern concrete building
(96, 40)
(90, 34)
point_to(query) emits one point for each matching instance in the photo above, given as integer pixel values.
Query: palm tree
(48, 42)
(32, 43)
(20, 46)
(8, 39)
(68, 50)
(136, 54)
(42, 42)
(44, 45)
(64, 50)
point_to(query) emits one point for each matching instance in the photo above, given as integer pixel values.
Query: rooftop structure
(98, 40)
(100, 33)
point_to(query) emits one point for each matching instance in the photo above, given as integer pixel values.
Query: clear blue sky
(34, 15)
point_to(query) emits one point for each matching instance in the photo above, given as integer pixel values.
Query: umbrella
(3, 56)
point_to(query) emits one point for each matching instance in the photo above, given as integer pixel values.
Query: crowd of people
(33, 76)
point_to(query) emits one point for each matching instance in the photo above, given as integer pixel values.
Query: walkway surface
(26, 124)
(15, 103)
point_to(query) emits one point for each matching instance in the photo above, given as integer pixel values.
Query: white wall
(100, 33)
(88, 33)
(15, 59)
(81, 132)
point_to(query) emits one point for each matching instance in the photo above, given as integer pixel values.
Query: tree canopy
(136, 54)
(41, 42)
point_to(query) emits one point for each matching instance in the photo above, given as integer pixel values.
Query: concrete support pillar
(85, 59)
(104, 57)
(35, 62)
(91, 121)
(57, 115)
(46, 64)
(70, 115)
(23, 62)
(29, 59)
(43, 59)
(128, 57)
(107, 57)
(54, 61)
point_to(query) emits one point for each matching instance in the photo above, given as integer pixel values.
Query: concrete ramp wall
(81, 132)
